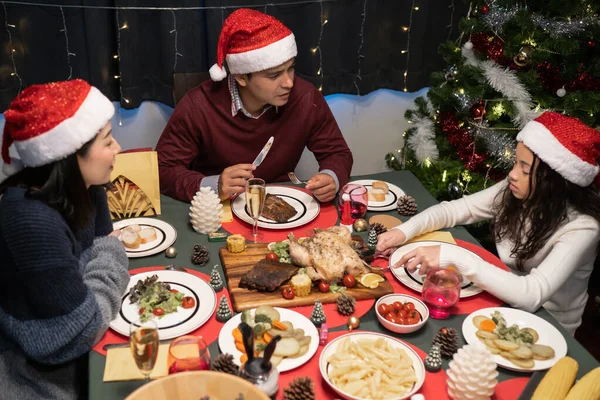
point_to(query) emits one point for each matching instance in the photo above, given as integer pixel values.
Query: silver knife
(263, 153)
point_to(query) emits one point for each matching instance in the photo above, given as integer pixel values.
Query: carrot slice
(240, 346)
(279, 325)
(237, 335)
(267, 338)
(243, 358)
(488, 325)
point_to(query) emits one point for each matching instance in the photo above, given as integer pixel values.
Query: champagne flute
(255, 200)
(143, 341)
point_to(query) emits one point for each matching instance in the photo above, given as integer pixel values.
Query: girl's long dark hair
(530, 222)
(60, 185)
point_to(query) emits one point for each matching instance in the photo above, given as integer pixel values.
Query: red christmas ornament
(478, 111)
(485, 9)
(460, 139)
(591, 44)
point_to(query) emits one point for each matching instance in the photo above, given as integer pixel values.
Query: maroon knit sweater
(202, 138)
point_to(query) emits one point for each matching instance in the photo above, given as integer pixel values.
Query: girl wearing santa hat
(545, 221)
(62, 271)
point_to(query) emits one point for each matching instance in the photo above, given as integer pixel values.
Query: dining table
(510, 383)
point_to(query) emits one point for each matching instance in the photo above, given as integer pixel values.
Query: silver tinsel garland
(496, 17)
(497, 143)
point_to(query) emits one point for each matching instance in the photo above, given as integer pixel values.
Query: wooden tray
(236, 265)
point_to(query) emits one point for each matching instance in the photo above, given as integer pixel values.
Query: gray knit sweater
(59, 290)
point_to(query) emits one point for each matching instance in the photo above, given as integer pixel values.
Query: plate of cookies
(518, 340)
(383, 196)
(145, 236)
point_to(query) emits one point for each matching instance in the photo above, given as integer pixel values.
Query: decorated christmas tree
(513, 60)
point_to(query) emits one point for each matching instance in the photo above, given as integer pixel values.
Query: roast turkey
(327, 255)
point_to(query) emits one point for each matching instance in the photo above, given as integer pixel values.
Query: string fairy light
(66, 32)
(118, 77)
(360, 56)
(12, 49)
(452, 6)
(323, 21)
(174, 30)
(407, 51)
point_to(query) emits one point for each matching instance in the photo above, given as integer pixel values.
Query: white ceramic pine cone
(472, 374)
(205, 211)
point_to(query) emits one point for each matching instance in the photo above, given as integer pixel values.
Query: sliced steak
(267, 275)
(277, 209)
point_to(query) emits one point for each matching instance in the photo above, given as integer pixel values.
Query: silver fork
(294, 179)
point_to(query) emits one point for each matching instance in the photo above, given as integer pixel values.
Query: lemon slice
(370, 280)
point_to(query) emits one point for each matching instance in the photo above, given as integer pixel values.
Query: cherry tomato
(383, 309)
(417, 315)
(188, 302)
(402, 313)
(288, 292)
(158, 311)
(141, 310)
(174, 291)
(409, 306)
(272, 256)
(402, 321)
(349, 281)
(324, 287)
(397, 306)
(390, 317)
(412, 321)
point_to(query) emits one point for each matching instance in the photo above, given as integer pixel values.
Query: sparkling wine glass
(355, 197)
(143, 341)
(255, 200)
(441, 291)
(188, 353)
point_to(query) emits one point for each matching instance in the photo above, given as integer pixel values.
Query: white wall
(372, 125)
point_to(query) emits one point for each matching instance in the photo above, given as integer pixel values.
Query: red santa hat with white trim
(566, 144)
(251, 41)
(51, 121)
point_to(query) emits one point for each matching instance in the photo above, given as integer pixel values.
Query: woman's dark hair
(530, 222)
(60, 185)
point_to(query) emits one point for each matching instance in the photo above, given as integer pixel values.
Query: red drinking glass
(441, 291)
(188, 353)
(356, 198)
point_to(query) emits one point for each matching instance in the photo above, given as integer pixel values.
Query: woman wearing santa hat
(219, 127)
(62, 268)
(545, 220)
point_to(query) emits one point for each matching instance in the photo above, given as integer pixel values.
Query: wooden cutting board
(236, 265)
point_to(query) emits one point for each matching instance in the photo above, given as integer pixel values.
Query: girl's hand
(387, 241)
(427, 256)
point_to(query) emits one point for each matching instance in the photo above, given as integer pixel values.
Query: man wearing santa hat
(219, 127)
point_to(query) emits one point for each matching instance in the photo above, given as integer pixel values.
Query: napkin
(226, 215)
(437, 236)
(120, 365)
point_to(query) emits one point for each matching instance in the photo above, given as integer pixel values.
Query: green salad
(282, 249)
(154, 298)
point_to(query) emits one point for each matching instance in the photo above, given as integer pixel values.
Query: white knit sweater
(556, 277)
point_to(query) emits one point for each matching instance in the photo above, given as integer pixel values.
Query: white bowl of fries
(419, 306)
(371, 366)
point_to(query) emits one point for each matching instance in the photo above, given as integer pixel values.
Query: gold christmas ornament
(360, 225)
(523, 57)
(171, 252)
(353, 323)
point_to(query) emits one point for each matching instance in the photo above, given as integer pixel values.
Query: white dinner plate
(184, 320)
(165, 236)
(331, 349)
(549, 335)
(227, 343)
(414, 280)
(307, 208)
(390, 199)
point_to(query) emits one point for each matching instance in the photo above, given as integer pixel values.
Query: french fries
(371, 369)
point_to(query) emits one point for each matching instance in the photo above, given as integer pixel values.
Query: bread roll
(135, 227)
(236, 243)
(381, 185)
(376, 195)
(130, 238)
(147, 235)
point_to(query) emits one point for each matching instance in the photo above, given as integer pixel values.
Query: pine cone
(345, 304)
(200, 255)
(224, 363)
(379, 228)
(447, 339)
(300, 389)
(406, 206)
